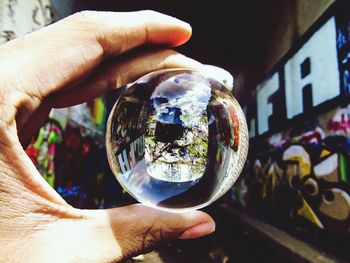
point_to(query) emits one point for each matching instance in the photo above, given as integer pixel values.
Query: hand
(66, 63)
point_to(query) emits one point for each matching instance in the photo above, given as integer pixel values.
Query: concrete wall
(282, 23)
(299, 122)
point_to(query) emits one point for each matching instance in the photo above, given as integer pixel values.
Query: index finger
(65, 52)
(136, 28)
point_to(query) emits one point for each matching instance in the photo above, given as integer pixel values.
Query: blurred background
(291, 64)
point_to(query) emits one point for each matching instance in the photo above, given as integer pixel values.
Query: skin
(64, 64)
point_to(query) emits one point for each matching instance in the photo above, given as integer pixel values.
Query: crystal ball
(176, 139)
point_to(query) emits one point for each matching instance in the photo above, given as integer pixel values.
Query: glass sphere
(176, 139)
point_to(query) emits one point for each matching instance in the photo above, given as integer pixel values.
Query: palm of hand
(64, 64)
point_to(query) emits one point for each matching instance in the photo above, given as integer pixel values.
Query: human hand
(66, 63)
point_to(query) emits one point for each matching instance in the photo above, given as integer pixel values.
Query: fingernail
(198, 231)
(182, 23)
(186, 25)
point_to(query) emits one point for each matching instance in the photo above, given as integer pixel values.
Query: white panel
(19, 17)
(265, 109)
(324, 75)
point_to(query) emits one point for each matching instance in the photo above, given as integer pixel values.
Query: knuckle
(156, 234)
(92, 24)
(85, 15)
(81, 22)
(84, 21)
(149, 13)
(89, 25)
(151, 237)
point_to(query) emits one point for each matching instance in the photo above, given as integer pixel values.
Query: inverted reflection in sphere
(176, 139)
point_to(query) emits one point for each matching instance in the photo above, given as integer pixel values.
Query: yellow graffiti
(324, 153)
(307, 212)
(298, 154)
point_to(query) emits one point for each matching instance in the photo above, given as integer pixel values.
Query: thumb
(136, 228)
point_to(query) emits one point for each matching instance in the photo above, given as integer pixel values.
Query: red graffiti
(342, 125)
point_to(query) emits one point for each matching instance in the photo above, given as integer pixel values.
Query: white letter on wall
(321, 53)
(265, 110)
(123, 162)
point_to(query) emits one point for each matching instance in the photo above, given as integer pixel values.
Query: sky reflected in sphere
(176, 139)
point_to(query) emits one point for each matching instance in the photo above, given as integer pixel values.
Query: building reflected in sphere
(176, 139)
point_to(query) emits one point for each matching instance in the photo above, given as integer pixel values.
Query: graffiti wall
(305, 172)
(298, 170)
(69, 152)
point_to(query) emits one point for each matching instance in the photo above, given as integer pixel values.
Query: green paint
(343, 167)
(40, 138)
(53, 138)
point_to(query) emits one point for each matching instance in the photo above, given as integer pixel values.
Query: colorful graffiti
(42, 150)
(305, 173)
(69, 153)
(298, 172)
